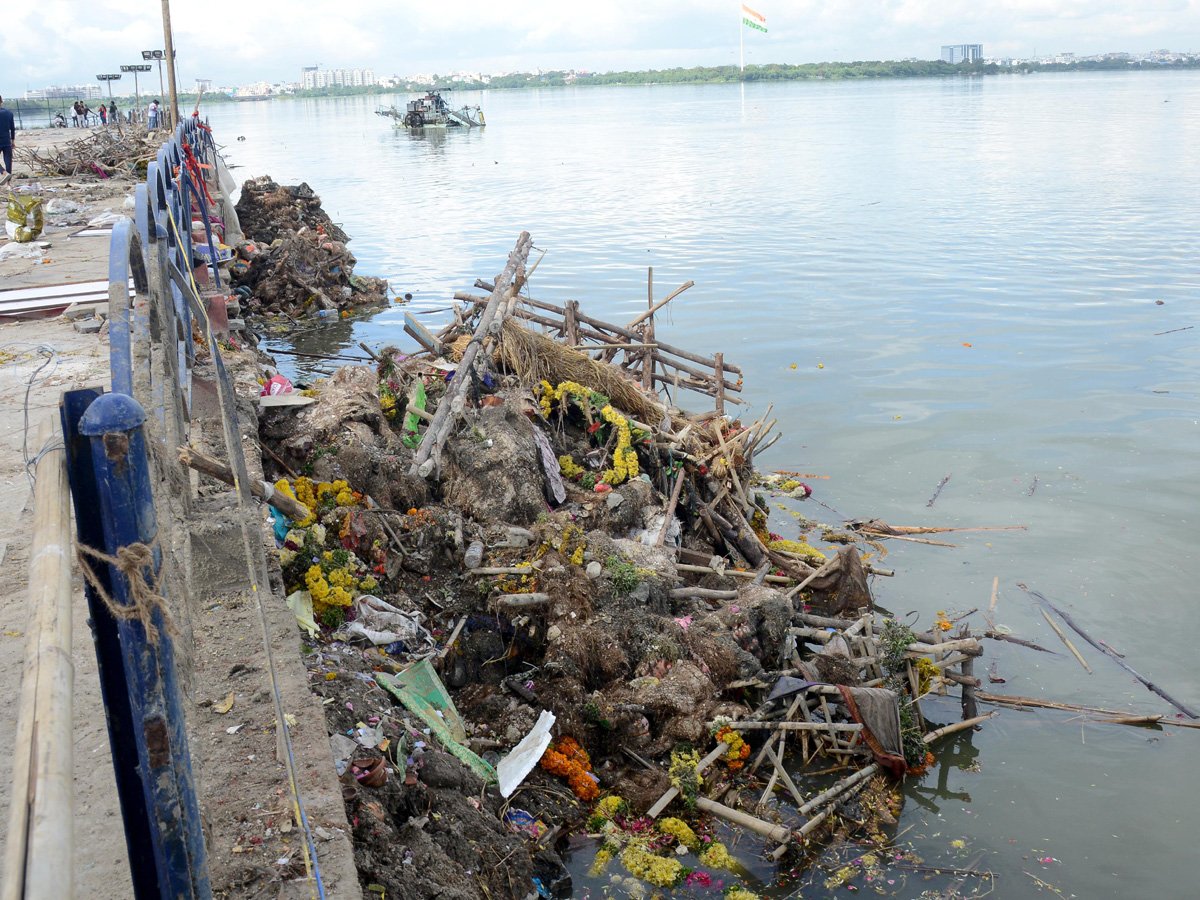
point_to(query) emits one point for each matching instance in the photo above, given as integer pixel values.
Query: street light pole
(157, 56)
(169, 43)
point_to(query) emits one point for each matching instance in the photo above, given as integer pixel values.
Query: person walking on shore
(103, 114)
(112, 112)
(153, 111)
(8, 137)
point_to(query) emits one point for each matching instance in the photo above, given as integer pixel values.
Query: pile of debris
(295, 260)
(106, 152)
(544, 602)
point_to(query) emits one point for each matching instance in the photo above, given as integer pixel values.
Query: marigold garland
(624, 458)
(738, 751)
(570, 761)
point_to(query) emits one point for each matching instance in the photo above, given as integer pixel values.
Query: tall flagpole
(741, 41)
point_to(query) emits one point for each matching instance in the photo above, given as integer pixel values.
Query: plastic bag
(24, 221)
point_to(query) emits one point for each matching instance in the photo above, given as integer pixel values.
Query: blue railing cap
(112, 413)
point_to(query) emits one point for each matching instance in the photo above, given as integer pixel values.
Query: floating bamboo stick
(1066, 640)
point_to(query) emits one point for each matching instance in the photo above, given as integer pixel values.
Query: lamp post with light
(136, 91)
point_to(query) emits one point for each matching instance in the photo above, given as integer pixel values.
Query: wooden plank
(57, 290)
(422, 335)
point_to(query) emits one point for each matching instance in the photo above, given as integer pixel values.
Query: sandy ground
(68, 259)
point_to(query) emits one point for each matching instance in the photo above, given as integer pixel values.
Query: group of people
(155, 115)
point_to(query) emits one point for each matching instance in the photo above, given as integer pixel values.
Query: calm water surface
(926, 277)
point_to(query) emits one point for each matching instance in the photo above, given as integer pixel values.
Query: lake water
(926, 277)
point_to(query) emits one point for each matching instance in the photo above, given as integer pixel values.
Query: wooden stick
(515, 601)
(732, 573)
(426, 456)
(719, 365)
(453, 637)
(617, 329)
(670, 511)
(41, 805)
(699, 593)
(784, 776)
(941, 485)
(206, 465)
(997, 636)
(1066, 640)
(824, 570)
(957, 726)
(656, 307)
(753, 725)
(995, 594)
(275, 457)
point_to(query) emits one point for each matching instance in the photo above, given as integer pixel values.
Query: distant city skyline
(314, 77)
(272, 39)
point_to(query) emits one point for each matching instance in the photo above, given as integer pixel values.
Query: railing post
(113, 424)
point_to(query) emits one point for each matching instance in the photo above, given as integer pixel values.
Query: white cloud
(60, 41)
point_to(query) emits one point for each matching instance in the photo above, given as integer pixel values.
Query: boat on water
(431, 111)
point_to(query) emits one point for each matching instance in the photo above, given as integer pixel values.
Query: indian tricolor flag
(754, 20)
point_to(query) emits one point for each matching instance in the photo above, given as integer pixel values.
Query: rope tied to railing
(146, 596)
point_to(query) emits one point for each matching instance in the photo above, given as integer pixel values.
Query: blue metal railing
(152, 354)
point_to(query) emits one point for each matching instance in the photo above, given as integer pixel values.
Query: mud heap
(295, 260)
(519, 565)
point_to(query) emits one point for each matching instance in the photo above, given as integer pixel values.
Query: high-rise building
(66, 92)
(312, 77)
(956, 53)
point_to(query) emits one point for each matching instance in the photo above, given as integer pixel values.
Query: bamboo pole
(41, 812)
(425, 459)
(718, 365)
(755, 824)
(1066, 640)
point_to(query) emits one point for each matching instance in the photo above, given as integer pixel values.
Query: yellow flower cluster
(312, 495)
(681, 831)
(625, 460)
(339, 490)
(737, 892)
(658, 870)
(800, 549)
(926, 672)
(284, 488)
(568, 466)
(574, 556)
(716, 856)
(322, 591)
(549, 395)
(600, 863)
(610, 806)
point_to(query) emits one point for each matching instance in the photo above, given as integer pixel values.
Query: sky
(60, 41)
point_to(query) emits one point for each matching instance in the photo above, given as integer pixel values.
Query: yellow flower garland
(625, 460)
